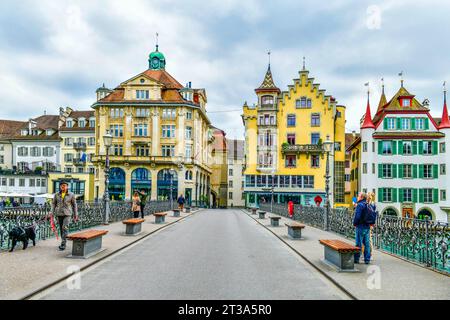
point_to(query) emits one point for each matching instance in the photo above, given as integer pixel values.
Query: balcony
(268, 106)
(80, 146)
(302, 148)
(78, 162)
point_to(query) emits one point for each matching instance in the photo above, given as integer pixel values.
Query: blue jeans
(363, 238)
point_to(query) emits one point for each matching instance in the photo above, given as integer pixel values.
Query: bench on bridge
(340, 254)
(275, 221)
(133, 226)
(176, 213)
(294, 229)
(87, 243)
(160, 217)
(262, 214)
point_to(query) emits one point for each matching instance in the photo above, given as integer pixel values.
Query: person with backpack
(360, 221)
(181, 202)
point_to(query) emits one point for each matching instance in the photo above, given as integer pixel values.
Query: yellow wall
(86, 177)
(355, 164)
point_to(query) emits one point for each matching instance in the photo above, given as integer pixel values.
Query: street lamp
(327, 145)
(273, 186)
(107, 141)
(172, 173)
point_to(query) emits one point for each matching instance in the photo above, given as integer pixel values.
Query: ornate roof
(368, 117)
(268, 84)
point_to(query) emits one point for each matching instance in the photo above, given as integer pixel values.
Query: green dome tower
(156, 60)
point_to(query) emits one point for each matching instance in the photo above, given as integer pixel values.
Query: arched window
(117, 184)
(390, 212)
(424, 213)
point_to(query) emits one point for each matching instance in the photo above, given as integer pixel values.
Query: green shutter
(435, 171)
(414, 169)
(380, 170)
(414, 147)
(420, 151)
(380, 147)
(400, 195)
(435, 195)
(414, 195)
(426, 123)
(400, 170)
(394, 195)
(421, 171)
(394, 147)
(413, 123)
(435, 147)
(380, 195)
(399, 123)
(420, 195)
(385, 123)
(400, 147)
(394, 171)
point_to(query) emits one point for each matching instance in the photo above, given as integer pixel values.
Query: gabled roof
(163, 77)
(394, 105)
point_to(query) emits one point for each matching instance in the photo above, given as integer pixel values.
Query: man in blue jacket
(362, 228)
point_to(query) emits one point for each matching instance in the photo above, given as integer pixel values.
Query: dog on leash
(23, 234)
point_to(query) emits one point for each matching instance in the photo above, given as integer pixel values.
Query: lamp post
(272, 190)
(327, 146)
(107, 140)
(172, 173)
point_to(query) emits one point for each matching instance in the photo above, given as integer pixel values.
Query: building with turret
(157, 125)
(403, 157)
(285, 135)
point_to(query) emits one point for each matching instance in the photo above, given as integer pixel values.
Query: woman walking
(136, 204)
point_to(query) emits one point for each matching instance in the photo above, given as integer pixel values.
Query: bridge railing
(90, 214)
(423, 241)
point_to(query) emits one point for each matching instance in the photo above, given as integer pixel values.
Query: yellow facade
(157, 125)
(355, 165)
(304, 118)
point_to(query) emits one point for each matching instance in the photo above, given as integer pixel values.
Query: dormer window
(81, 123)
(49, 132)
(406, 102)
(92, 123)
(24, 132)
(69, 123)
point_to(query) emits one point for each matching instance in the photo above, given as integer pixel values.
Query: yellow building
(77, 133)
(285, 134)
(354, 151)
(157, 125)
(219, 177)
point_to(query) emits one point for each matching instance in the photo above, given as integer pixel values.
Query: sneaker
(356, 262)
(62, 247)
(367, 262)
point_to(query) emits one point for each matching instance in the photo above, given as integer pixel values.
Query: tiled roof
(350, 138)
(394, 105)
(82, 114)
(268, 83)
(45, 122)
(164, 77)
(220, 142)
(76, 115)
(10, 128)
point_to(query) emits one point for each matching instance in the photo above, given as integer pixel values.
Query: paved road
(215, 254)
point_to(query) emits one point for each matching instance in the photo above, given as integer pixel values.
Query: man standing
(64, 205)
(143, 195)
(181, 202)
(362, 228)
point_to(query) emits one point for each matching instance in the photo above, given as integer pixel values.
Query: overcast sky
(57, 53)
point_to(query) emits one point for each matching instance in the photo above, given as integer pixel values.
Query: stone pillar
(155, 132)
(154, 174)
(128, 190)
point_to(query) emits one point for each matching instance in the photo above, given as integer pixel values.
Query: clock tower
(156, 60)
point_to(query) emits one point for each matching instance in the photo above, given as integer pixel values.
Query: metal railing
(422, 241)
(90, 214)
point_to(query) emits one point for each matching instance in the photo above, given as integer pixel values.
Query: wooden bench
(160, 217)
(275, 221)
(295, 229)
(133, 226)
(340, 254)
(87, 243)
(176, 213)
(262, 214)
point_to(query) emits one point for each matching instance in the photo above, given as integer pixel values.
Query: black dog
(22, 234)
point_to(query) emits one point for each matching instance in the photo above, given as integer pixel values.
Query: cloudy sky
(57, 53)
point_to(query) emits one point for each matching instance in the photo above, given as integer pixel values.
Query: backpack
(371, 216)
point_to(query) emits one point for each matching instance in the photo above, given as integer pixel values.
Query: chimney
(354, 134)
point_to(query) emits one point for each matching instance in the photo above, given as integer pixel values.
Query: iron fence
(90, 214)
(422, 241)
